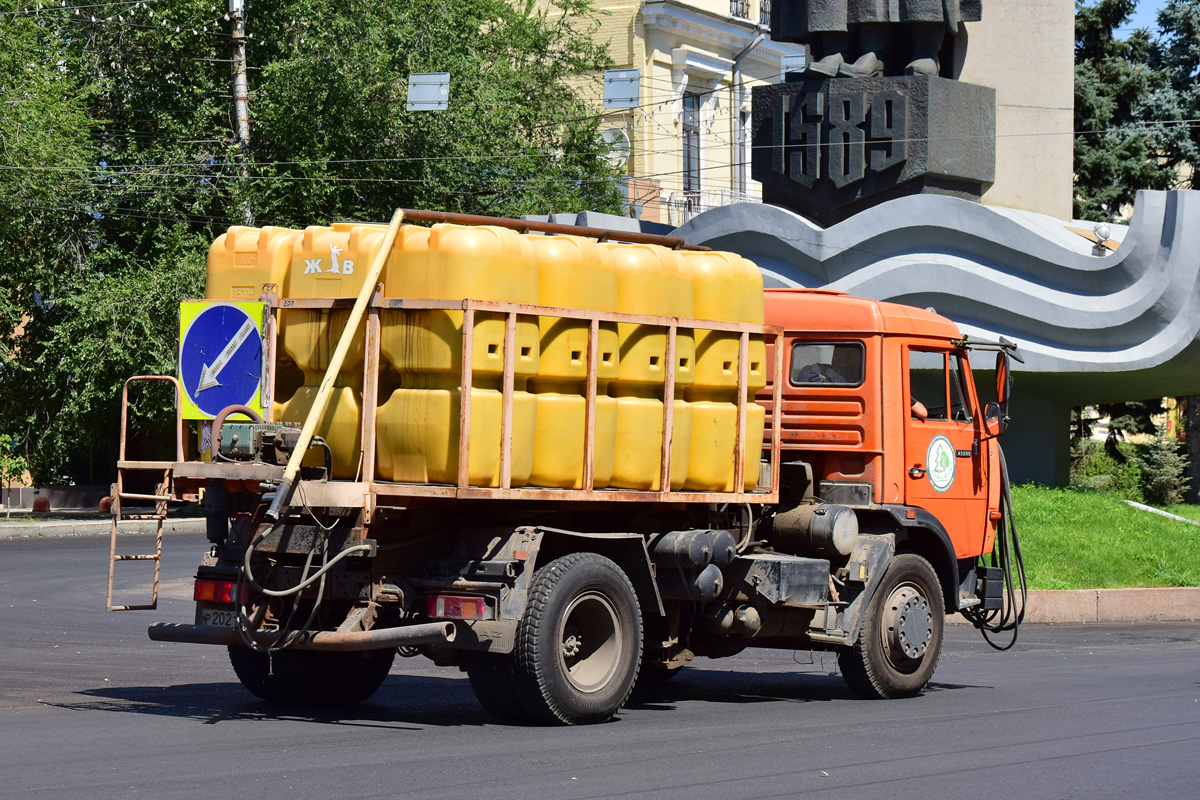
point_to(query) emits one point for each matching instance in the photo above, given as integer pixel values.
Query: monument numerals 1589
(838, 135)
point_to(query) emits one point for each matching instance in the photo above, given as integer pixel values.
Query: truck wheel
(901, 637)
(254, 671)
(579, 643)
(491, 679)
(320, 678)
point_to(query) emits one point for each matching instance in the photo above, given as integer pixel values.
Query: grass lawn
(1083, 539)
(1183, 510)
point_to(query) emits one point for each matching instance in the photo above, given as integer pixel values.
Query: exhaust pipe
(343, 641)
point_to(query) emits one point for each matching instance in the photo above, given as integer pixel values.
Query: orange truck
(569, 460)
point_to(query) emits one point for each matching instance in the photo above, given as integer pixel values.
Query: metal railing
(682, 207)
(739, 9)
(764, 13)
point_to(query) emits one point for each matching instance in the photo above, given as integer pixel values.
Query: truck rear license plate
(217, 616)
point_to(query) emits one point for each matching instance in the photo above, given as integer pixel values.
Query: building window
(692, 103)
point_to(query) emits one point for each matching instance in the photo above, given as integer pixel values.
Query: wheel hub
(590, 642)
(572, 644)
(909, 622)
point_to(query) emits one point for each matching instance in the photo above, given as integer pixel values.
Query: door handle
(916, 473)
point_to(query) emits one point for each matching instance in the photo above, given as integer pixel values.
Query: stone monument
(877, 115)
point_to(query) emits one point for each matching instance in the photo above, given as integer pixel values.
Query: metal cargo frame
(370, 492)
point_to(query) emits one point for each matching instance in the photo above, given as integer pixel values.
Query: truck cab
(880, 406)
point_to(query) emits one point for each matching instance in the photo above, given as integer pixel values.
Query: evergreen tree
(1174, 107)
(1163, 468)
(1116, 148)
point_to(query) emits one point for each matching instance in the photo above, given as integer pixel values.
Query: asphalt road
(89, 707)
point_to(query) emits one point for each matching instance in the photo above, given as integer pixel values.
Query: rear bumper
(378, 639)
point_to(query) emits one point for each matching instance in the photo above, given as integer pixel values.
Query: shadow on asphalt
(414, 702)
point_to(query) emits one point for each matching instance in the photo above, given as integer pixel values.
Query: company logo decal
(941, 462)
(342, 267)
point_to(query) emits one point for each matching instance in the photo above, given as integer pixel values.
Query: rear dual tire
(577, 650)
(310, 677)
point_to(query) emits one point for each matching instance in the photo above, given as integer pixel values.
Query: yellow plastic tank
(728, 288)
(573, 272)
(710, 464)
(240, 262)
(418, 436)
(418, 423)
(455, 262)
(650, 280)
(340, 426)
(242, 259)
(328, 262)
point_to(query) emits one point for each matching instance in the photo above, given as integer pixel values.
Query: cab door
(944, 469)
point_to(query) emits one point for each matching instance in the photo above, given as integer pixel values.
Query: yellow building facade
(689, 134)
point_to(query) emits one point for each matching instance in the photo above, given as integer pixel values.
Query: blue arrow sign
(221, 358)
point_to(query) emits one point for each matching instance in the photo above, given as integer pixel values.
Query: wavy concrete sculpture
(1123, 326)
(1120, 326)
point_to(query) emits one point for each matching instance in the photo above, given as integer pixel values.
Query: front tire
(901, 637)
(579, 643)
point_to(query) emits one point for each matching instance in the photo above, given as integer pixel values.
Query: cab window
(936, 387)
(827, 364)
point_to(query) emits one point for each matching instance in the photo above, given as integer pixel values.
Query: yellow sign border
(189, 310)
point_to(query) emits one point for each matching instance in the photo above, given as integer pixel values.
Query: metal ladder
(162, 492)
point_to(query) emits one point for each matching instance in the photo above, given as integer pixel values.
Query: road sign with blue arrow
(220, 356)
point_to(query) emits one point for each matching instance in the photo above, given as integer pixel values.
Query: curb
(1045, 606)
(1177, 604)
(99, 527)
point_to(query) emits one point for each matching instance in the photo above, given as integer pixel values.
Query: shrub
(1093, 467)
(1163, 467)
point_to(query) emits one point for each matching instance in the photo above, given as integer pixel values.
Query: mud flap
(842, 619)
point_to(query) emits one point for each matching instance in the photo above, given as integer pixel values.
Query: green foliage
(1176, 105)
(1081, 539)
(1115, 152)
(1136, 103)
(117, 126)
(12, 469)
(1163, 471)
(1094, 467)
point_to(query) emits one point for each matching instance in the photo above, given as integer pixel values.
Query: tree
(1174, 107)
(12, 468)
(147, 171)
(1116, 147)
(1163, 468)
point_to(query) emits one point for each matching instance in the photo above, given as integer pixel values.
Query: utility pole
(241, 92)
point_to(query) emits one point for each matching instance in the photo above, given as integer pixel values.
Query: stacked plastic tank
(573, 272)
(418, 425)
(417, 421)
(728, 288)
(328, 262)
(658, 281)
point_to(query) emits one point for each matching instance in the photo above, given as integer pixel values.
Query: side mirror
(995, 421)
(1003, 378)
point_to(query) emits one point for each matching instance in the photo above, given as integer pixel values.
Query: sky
(1145, 14)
